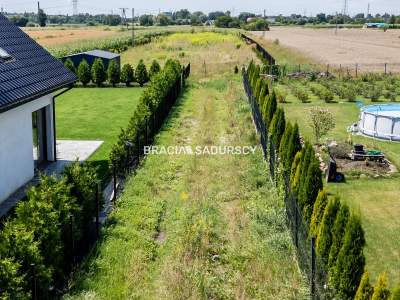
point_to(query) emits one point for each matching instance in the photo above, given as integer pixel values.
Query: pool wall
(381, 121)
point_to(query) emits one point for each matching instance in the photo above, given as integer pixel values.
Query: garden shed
(91, 56)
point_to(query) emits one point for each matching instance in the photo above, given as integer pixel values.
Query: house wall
(16, 144)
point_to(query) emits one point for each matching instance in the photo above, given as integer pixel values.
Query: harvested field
(370, 49)
(53, 37)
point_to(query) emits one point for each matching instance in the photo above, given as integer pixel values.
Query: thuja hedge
(153, 108)
(39, 237)
(338, 231)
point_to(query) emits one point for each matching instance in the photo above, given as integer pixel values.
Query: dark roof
(97, 53)
(31, 73)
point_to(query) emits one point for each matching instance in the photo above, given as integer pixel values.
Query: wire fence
(310, 263)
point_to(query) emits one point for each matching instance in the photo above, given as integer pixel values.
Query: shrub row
(98, 74)
(154, 106)
(38, 239)
(339, 234)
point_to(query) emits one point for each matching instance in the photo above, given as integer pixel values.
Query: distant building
(374, 25)
(90, 57)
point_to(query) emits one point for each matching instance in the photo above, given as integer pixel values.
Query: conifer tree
(84, 74)
(324, 238)
(310, 188)
(271, 108)
(155, 68)
(337, 235)
(285, 142)
(293, 147)
(381, 290)
(257, 89)
(99, 74)
(318, 212)
(127, 74)
(302, 175)
(350, 261)
(365, 289)
(114, 74)
(69, 64)
(296, 161)
(141, 75)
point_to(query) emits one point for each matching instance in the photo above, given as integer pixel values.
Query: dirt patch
(371, 49)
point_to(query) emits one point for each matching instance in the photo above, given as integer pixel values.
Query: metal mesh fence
(310, 263)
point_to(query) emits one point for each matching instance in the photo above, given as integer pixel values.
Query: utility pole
(38, 11)
(345, 8)
(123, 15)
(75, 7)
(336, 19)
(264, 13)
(133, 27)
(369, 6)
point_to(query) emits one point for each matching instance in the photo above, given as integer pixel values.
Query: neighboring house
(90, 57)
(29, 76)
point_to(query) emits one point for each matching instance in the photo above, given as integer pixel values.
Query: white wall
(16, 144)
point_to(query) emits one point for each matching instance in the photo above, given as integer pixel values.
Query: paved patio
(67, 152)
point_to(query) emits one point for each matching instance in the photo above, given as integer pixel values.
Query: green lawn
(96, 114)
(376, 199)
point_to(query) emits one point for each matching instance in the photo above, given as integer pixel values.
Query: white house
(29, 77)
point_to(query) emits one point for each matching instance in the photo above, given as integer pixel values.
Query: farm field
(96, 114)
(371, 49)
(375, 198)
(179, 231)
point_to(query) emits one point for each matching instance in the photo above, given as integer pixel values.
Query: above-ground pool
(381, 121)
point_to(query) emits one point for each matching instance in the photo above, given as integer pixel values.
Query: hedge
(38, 237)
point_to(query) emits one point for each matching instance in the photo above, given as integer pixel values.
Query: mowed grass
(197, 227)
(96, 114)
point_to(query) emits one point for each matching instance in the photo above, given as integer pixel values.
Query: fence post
(114, 183)
(356, 70)
(34, 286)
(340, 71)
(312, 267)
(299, 68)
(97, 210)
(385, 68)
(327, 70)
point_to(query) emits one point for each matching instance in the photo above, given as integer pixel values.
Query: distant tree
(350, 261)
(163, 20)
(227, 22)
(141, 75)
(365, 289)
(99, 74)
(381, 290)
(257, 24)
(215, 15)
(154, 68)
(114, 73)
(182, 14)
(318, 212)
(321, 120)
(69, 64)
(243, 16)
(324, 238)
(19, 21)
(42, 18)
(84, 73)
(146, 20)
(127, 74)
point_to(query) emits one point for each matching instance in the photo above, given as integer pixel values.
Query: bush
(338, 231)
(318, 212)
(12, 283)
(99, 74)
(114, 74)
(381, 291)
(155, 68)
(365, 289)
(141, 75)
(127, 74)
(84, 74)
(236, 70)
(321, 121)
(69, 64)
(324, 238)
(350, 261)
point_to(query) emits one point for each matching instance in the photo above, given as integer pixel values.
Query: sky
(276, 7)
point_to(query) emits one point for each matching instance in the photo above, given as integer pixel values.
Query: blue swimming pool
(381, 121)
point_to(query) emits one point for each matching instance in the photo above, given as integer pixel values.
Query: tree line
(338, 231)
(114, 75)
